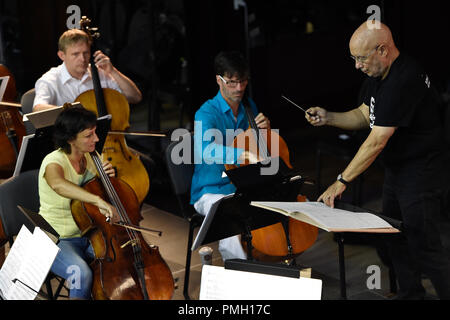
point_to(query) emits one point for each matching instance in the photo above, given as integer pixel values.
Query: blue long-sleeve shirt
(211, 150)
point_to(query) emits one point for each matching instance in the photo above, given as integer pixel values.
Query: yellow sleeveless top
(55, 208)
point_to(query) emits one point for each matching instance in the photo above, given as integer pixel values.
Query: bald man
(402, 111)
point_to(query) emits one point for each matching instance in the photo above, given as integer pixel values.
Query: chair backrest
(27, 107)
(181, 173)
(20, 190)
(27, 101)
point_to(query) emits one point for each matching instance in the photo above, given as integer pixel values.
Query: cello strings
(109, 189)
(114, 198)
(116, 202)
(263, 150)
(261, 143)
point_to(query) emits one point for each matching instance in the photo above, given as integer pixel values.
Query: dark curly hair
(231, 63)
(71, 121)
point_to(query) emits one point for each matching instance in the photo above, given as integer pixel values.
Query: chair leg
(188, 262)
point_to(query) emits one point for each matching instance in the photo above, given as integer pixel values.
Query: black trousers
(418, 249)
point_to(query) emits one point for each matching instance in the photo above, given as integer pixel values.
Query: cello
(125, 266)
(12, 128)
(127, 164)
(284, 240)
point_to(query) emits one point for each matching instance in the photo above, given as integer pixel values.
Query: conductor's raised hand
(316, 116)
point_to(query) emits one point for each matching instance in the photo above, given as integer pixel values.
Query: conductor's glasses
(363, 59)
(233, 83)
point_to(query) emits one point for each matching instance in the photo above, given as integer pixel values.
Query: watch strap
(340, 179)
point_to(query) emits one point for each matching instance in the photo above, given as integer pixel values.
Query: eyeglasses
(363, 59)
(233, 83)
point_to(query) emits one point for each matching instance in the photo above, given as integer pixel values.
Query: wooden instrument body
(248, 142)
(10, 120)
(271, 243)
(128, 166)
(115, 276)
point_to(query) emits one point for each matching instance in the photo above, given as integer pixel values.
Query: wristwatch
(339, 178)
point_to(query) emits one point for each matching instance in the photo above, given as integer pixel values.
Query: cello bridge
(133, 242)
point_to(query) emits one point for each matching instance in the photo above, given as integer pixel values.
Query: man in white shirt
(73, 77)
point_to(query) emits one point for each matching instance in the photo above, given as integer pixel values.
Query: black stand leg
(248, 240)
(48, 286)
(340, 241)
(188, 262)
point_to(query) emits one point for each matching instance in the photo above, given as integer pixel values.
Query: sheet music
(29, 261)
(218, 283)
(13, 261)
(330, 217)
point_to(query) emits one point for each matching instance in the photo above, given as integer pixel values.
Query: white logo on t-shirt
(427, 81)
(372, 112)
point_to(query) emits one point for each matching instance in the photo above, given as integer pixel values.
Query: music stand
(341, 235)
(234, 215)
(33, 150)
(39, 221)
(3, 83)
(36, 146)
(44, 118)
(245, 178)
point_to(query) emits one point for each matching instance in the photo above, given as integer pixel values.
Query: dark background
(168, 46)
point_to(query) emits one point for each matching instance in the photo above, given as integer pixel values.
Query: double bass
(125, 266)
(284, 240)
(127, 164)
(12, 128)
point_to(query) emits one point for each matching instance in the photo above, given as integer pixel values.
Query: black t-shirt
(406, 100)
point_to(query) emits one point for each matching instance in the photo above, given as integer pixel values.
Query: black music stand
(39, 221)
(40, 144)
(234, 215)
(340, 236)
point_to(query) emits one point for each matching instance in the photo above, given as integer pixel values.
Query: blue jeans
(71, 264)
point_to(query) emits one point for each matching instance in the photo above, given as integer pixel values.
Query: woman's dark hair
(231, 63)
(71, 121)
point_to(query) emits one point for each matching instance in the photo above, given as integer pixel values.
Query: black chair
(23, 190)
(26, 101)
(181, 176)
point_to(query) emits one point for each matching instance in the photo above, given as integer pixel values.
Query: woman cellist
(61, 175)
(123, 265)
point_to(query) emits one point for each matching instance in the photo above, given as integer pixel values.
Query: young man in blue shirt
(215, 124)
